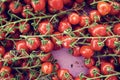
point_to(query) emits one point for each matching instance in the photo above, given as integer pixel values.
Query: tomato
(2, 35)
(45, 27)
(67, 1)
(116, 29)
(64, 25)
(98, 30)
(115, 8)
(96, 44)
(112, 78)
(78, 31)
(8, 57)
(94, 16)
(11, 28)
(47, 67)
(57, 66)
(79, 1)
(73, 18)
(56, 4)
(2, 50)
(67, 41)
(1, 64)
(21, 45)
(110, 42)
(54, 77)
(2, 7)
(15, 7)
(24, 27)
(27, 1)
(33, 43)
(86, 51)
(107, 68)
(47, 45)
(116, 51)
(5, 69)
(44, 57)
(27, 11)
(89, 62)
(76, 51)
(84, 20)
(94, 71)
(104, 8)
(38, 5)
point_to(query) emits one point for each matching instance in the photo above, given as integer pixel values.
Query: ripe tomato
(56, 4)
(24, 27)
(33, 43)
(2, 35)
(95, 44)
(45, 27)
(21, 45)
(66, 2)
(2, 7)
(57, 66)
(2, 50)
(27, 1)
(94, 71)
(5, 69)
(112, 78)
(76, 51)
(86, 51)
(54, 77)
(107, 68)
(47, 45)
(94, 16)
(115, 8)
(84, 20)
(110, 42)
(15, 7)
(116, 29)
(104, 8)
(73, 18)
(79, 1)
(27, 10)
(1, 64)
(44, 57)
(89, 62)
(38, 5)
(78, 31)
(64, 25)
(47, 67)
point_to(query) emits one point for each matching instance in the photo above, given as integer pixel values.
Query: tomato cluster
(31, 29)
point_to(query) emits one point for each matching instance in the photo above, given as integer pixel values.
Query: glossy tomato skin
(64, 25)
(56, 4)
(73, 18)
(89, 62)
(38, 5)
(47, 67)
(79, 1)
(54, 77)
(86, 51)
(33, 43)
(44, 57)
(94, 71)
(107, 68)
(84, 20)
(111, 78)
(115, 8)
(5, 69)
(104, 8)
(76, 51)
(116, 29)
(95, 44)
(94, 16)
(2, 36)
(15, 9)
(47, 46)
(45, 27)
(110, 42)
(2, 50)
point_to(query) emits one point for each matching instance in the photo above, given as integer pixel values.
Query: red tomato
(24, 27)
(110, 42)
(55, 77)
(73, 18)
(47, 45)
(84, 20)
(78, 31)
(21, 45)
(86, 51)
(2, 35)
(107, 68)
(47, 67)
(104, 8)
(2, 7)
(38, 5)
(89, 62)
(112, 78)
(115, 8)
(56, 4)
(116, 29)
(67, 1)
(33, 43)
(79, 1)
(57, 66)
(45, 27)
(95, 44)
(76, 51)
(64, 25)
(27, 1)
(94, 16)
(15, 7)
(44, 57)
(1, 64)
(2, 50)
(94, 71)
(5, 69)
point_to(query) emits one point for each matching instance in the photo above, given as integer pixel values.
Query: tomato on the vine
(5, 69)
(116, 29)
(2, 50)
(115, 8)
(2, 7)
(112, 78)
(94, 71)
(44, 56)
(75, 51)
(89, 62)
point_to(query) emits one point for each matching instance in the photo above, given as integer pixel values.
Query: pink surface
(66, 60)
